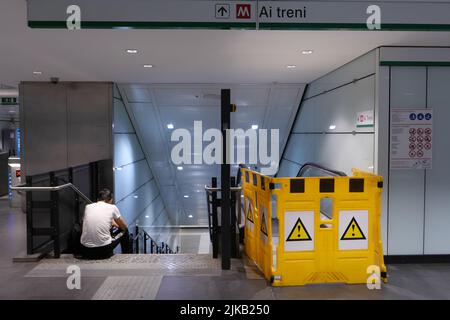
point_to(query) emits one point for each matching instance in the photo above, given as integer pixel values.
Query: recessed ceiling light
(37, 72)
(307, 52)
(132, 51)
(186, 196)
(291, 66)
(12, 111)
(255, 126)
(170, 126)
(135, 197)
(179, 168)
(148, 66)
(190, 216)
(147, 217)
(332, 127)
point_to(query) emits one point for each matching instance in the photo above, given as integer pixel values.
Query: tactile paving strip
(137, 264)
(128, 288)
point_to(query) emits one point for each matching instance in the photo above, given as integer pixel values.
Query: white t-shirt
(97, 224)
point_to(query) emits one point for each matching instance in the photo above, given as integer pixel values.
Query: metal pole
(145, 243)
(234, 243)
(137, 239)
(29, 199)
(225, 179)
(215, 222)
(54, 212)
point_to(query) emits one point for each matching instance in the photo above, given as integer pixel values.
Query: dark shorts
(105, 252)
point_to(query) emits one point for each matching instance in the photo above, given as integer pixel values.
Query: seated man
(99, 220)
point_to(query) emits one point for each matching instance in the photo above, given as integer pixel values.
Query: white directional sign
(359, 15)
(145, 14)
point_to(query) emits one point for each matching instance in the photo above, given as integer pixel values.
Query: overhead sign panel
(353, 15)
(314, 15)
(104, 14)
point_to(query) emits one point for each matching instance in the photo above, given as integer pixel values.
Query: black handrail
(154, 247)
(320, 167)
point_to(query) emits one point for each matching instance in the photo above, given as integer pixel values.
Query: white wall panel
(126, 149)
(151, 213)
(382, 145)
(406, 187)
(136, 192)
(132, 207)
(339, 107)
(288, 169)
(122, 123)
(345, 151)
(131, 177)
(301, 148)
(356, 69)
(437, 197)
(346, 146)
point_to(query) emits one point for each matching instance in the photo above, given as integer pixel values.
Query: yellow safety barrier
(324, 229)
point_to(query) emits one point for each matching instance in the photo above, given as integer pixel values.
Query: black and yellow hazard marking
(250, 216)
(264, 224)
(299, 232)
(353, 231)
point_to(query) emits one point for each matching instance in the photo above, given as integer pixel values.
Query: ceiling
(153, 107)
(182, 56)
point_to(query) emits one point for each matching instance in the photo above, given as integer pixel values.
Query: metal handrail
(54, 188)
(209, 191)
(320, 167)
(235, 189)
(159, 248)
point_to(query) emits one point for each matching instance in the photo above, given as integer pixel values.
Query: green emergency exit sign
(8, 101)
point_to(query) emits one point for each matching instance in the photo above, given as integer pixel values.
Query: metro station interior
(344, 150)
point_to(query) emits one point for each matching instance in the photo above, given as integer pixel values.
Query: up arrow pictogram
(222, 11)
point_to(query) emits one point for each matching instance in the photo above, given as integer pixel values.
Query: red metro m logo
(243, 11)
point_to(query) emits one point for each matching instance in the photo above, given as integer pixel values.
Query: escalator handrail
(318, 166)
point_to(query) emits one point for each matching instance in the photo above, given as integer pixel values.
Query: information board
(411, 141)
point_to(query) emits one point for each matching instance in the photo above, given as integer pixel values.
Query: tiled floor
(184, 276)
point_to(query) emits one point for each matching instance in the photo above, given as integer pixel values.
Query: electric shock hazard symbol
(299, 232)
(353, 231)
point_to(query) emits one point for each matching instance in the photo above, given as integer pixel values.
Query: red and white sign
(365, 119)
(243, 11)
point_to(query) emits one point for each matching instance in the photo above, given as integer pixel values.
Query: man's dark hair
(105, 195)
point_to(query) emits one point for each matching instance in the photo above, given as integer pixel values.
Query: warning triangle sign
(250, 213)
(353, 231)
(264, 223)
(299, 232)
